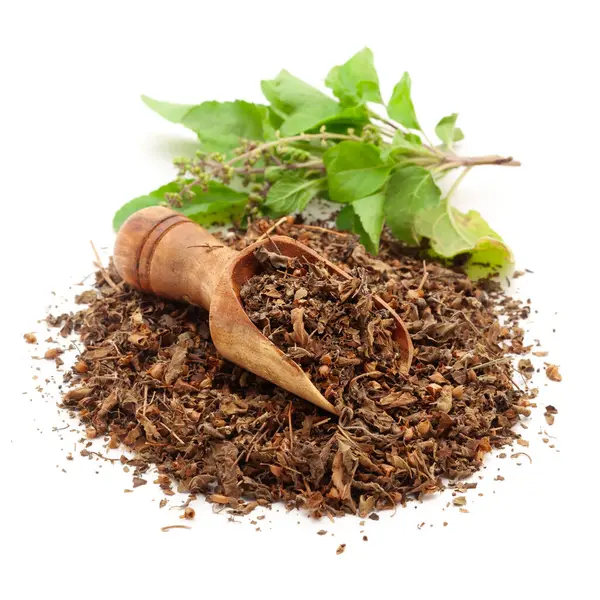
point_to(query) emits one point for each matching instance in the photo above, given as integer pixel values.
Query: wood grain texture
(162, 252)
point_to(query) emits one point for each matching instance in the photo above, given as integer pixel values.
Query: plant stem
(387, 132)
(453, 161)
(397, 127)
(446, 162)
(429, 144)
(305, 137)
(449, 160)
(386, 129)
(316, 165)
(457, 183)
(375, 116)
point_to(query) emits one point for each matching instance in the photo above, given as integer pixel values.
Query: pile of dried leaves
(151, 379)
(330, 326)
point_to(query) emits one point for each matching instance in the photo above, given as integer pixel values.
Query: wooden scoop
(160, 251)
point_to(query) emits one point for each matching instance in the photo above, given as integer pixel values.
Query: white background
(76, 142)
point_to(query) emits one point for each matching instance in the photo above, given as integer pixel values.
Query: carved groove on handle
(148, 247)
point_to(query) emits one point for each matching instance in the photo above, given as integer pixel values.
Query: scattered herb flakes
(519, 454)
(526, 367)
(340, 549)
(137, 481)
(540, 353)
(549, 414)
(80, 367)
(30, 338)
(169, 527)
(459, 501)
(53, 353)
(365, 538)
(188, 513)
(321, 532)
(155, 383)
(462, 486)
(552, 373)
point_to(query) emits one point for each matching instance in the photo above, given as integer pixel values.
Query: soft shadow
(169, 146)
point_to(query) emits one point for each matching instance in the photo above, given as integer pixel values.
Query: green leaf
(219, 125)
(270, 91)
(227, 122)
(288, 94)
(154, 198)
(447, 131)
(272, 124)
(407, 144)
(304, 108)
(218, 204)
(215, 213)
(290, 195)
(346, 219)
(410, 190)
(356, 81)
(364, 217)
(369, 212)
(309, 119)
(216, 192)
(172, 112)
(452, 232)
(354, 170)
(489, 256)
(356, 227)
(131, 207)
(412, 138)
(400, 107)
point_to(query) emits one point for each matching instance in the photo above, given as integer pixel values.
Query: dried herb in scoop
(329, 325)
(149, 379)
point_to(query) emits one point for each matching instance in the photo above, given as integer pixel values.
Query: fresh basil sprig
(274, 159)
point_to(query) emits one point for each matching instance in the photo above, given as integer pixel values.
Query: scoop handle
(162, 252)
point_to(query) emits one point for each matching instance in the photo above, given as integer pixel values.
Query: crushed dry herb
(150, 378)
(331, 327)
